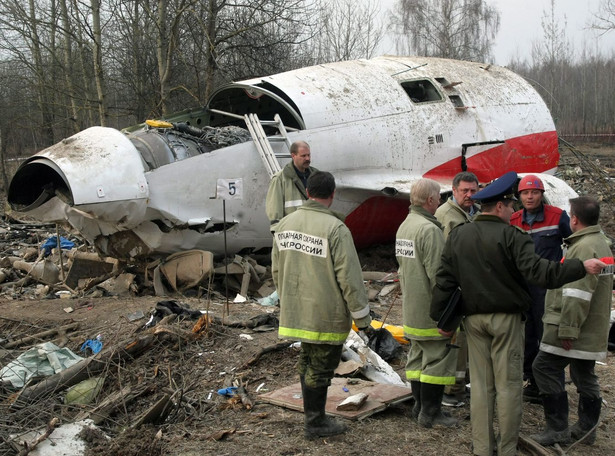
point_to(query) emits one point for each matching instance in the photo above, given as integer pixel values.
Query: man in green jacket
(576, 326)
(460, 208)
(318, 276)
(431, 361)
(492, 262)
(287, 188)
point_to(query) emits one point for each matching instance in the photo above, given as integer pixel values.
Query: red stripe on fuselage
(376, 220)
(535, 153)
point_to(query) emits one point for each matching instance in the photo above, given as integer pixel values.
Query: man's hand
(566, 344)
(593, 266)
(366, 333)
(446, 333)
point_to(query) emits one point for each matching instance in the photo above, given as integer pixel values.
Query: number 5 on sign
(230, 189)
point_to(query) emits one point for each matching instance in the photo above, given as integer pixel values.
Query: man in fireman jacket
(576, 325)
(317, 273)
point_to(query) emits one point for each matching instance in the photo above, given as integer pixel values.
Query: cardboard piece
(380, 396)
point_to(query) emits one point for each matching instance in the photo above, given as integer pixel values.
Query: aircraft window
(443, 81)
(421, 91)
(457, 101)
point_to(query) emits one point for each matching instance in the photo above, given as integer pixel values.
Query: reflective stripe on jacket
(418, 246)
(316, 270)
(580, 310)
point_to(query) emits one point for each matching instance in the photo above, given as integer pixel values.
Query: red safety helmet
(530, 182)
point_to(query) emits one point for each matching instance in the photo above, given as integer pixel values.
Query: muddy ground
(192, 367)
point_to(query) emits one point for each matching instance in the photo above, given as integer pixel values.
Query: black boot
(556, 417)
(531, 393)
(589, 414)
(416, 393)
(431, 407)
(317, 424)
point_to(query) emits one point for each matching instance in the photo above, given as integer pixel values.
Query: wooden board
(380, 397)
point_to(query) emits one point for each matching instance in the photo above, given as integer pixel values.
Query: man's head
(321, 187)
(498, 198)
(584, 212)
(300, 154)
(531, 190)
(425, 193)
(503, 209)
(465, 184)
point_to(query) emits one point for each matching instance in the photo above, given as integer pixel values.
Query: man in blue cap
(492, 262)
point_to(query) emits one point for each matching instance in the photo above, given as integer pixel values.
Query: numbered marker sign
(230, 189)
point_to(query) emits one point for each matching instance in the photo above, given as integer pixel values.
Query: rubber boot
(431, 413)
(416, 393)
(589, 414)
(556, 417)
(317, 424)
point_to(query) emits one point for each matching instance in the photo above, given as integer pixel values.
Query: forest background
(66, 65)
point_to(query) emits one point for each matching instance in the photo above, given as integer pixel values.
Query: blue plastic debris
(52, 243)
(230, 391)
(93, 344)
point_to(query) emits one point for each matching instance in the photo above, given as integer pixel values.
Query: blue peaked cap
(503, 188)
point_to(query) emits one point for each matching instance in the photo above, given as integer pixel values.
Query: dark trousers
(549, 371)
(533, 330)
(317, 362)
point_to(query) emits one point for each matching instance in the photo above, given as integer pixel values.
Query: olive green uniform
(318, 276)
(286, 193)
(418, 246)
(451, 215)
(492, 261)
(579, 311)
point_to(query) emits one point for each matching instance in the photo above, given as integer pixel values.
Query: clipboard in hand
(453, 313)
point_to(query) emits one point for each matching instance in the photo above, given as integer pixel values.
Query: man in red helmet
(548, 226)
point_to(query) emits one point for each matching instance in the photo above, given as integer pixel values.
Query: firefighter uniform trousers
(431, 361)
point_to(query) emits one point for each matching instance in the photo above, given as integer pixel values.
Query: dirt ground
(192, 367)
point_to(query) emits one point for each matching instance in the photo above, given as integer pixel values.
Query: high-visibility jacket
(580, 310)
(286, 193)
(316, 270)
(418, 247)
(548, 230)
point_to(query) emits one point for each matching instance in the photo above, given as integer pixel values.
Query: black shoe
(451, 400)
(531, 393)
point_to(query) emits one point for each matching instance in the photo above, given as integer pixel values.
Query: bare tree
(250, 37)
(553, 55)
(350, 30)
(458, 29)
(604, 18)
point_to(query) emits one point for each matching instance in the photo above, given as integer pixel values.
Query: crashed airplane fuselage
(378, 125)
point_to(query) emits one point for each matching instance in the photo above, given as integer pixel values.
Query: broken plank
(37, 337)
(267, 349)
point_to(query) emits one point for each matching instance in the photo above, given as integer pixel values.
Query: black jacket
(491, 261)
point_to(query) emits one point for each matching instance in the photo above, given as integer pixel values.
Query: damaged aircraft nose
(36, 184)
